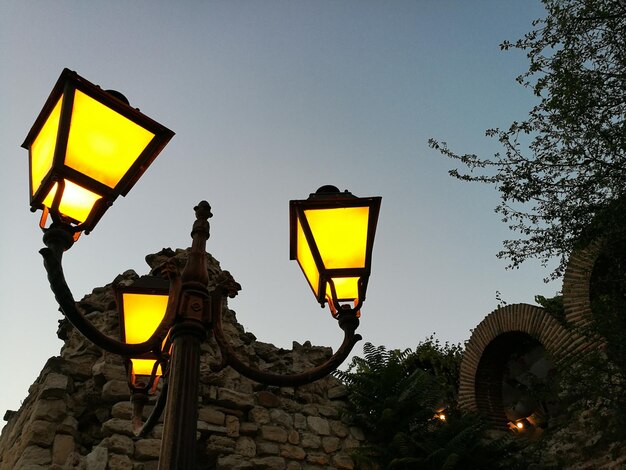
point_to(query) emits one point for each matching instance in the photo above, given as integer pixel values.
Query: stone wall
(77, 413)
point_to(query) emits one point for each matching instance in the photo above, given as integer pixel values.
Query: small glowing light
(442, 417)
(519, 425)
(145, 367)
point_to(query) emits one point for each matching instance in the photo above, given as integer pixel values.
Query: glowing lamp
(520, 425)
(142, 307)
(87, 147)
(331, 237)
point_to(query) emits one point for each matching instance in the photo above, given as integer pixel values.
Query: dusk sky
(269, 101)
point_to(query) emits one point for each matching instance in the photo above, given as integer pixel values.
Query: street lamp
(142, 307)
(164, 319)
(332, 236)
(87, 147)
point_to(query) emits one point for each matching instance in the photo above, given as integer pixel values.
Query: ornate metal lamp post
(87, 147)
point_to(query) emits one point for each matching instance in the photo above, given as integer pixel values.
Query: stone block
(269, 463)
(120, 462)
(62, 448)
(40, 433)
(317, 458)
(267, 399)
(339, 429)
(311, 441)
(299, 421)
(318, 425)
(211, 416)
(267, 448)
(114, 391)
(274, 434)
(328, 411)
(118, 426)
(282, 418)
(330, 444)
(34, 456)
(209, 392)
(290, 406)
(221, 445)
(245, 446)
(206, 428)
(292, 452)
(122, 410)
(119, 444)
(9, 415)
(294, 466)
(293, 437)
(259, 415)
(147, 449)
(104, 372)
(342, 461)
(234, 462)
(97, 459)
(68, 426)
(310, 410)
(237, 400)
(232, 426)
(53, 410)
(231, 411)
(55, 386)
(337, 392)
(78, 369)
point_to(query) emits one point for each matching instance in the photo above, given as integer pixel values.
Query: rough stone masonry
(77, 413)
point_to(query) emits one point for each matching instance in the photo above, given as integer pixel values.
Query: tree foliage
(394, 396)
(564, 166)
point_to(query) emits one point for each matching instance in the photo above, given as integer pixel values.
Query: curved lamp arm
(58, 239)
(348, 322)
(141, 429)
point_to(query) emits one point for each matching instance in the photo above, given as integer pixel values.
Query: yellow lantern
(142, 307)
(87, 147)
(331, 237)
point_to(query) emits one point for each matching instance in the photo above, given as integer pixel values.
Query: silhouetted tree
(394, 397)
(564, 166)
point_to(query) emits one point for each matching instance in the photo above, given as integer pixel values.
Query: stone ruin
(78, 412)
(506, 340)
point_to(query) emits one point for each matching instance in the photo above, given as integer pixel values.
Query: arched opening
(516, 383)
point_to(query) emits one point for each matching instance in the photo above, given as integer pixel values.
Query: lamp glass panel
(103, 144)
(340, 235)
(347, 288)
(142, 315)
(42, 148)
(144, 367)
(306, 260)
(76, 201)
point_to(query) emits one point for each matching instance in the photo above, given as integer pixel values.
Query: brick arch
(576, 285)
(485, 348)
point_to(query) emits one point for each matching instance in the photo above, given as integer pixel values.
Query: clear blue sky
(270, 100)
